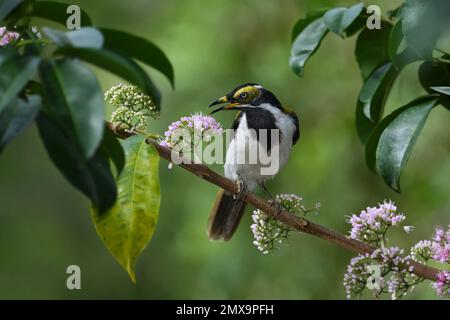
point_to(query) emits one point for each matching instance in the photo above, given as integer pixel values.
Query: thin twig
(296, 222)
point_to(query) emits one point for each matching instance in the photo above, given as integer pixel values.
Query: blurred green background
(214, 46)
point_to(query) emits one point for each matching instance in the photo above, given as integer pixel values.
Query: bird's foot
(279, 208)
(241, 188)
(267, 192)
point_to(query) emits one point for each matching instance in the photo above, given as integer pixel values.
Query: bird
(257, 108)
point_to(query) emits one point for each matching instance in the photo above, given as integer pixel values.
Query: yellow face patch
(246, 94)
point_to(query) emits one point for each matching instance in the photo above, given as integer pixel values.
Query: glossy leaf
(424, 21)
(92, 177)
(372, 99)
(127, 228)
(395, 39)
(83, 38)
(118, 64)
(57, 12)
(364, 126)
(16, 117)
(443, 90)
(395, 13)
(306, 43)
(7, 6)
(15, 72)
(391, 143)
(140, 49)
(372, 49)
(301, 24)
(339, 19)
(374, 92)
(112, 148)
(434, 74)
(76, 100)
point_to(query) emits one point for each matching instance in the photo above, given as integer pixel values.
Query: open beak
(223, 99)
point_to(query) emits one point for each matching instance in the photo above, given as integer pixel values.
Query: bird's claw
(241, 188)
(277, 206)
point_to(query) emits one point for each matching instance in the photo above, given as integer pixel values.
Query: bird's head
(245, 97)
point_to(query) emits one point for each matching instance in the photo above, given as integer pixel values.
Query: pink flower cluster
(442, 285)
(441, 245)
(387, 269)
(198, 127)
(437, 249)
(371, 224)
(7, 37)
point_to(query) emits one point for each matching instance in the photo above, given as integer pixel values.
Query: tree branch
(287, 218)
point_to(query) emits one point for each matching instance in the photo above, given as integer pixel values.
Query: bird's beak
(223, 99)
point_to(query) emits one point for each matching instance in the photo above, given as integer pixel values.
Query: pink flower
(442, 285)
(7, 36)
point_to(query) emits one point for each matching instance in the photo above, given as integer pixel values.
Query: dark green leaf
(82, 38)
(375, 90)
(395, 39)
(434, 74)
(140, 49)
(301, 24)
(119, 65)
(424, 21)
(395, 13)
(92, 177)
(7, 6)
(306, 43)
(364, 126)
(75, 99)
(443, 90)
(128, 227)
(15, 72)
(57, 12)
(372, 49)
(390, 145)
(16, 117)
(339, 19)
(112, 148)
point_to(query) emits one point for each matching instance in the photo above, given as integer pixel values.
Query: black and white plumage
(258, 109)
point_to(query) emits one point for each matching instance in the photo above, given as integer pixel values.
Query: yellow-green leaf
(128, 226)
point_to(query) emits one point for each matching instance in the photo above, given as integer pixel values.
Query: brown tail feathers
(225, 216)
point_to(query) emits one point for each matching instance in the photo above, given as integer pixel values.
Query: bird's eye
(243, 95)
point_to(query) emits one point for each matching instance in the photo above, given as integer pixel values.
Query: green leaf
(443, 90)
(118, 64)
(302, 23)
(112, 148)
(92, 177)
(364, 126)
(82, 38)
(7, 6)
(140, 49)
(391, 143)
(306, 43)
(372, 49)
(57, 12)
(16, 117)
(339, 19)
(395, 13)
(127, 228)
(424, 21)
(75, 99)
(375, 90)
(395, 39)
(15, 72)
(372, 99)
(434, 74)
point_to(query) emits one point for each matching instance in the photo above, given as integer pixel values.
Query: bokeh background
(215, 45)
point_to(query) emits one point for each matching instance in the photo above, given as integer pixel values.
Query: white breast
(251, 173)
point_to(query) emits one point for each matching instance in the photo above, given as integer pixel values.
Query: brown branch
(289, 219)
